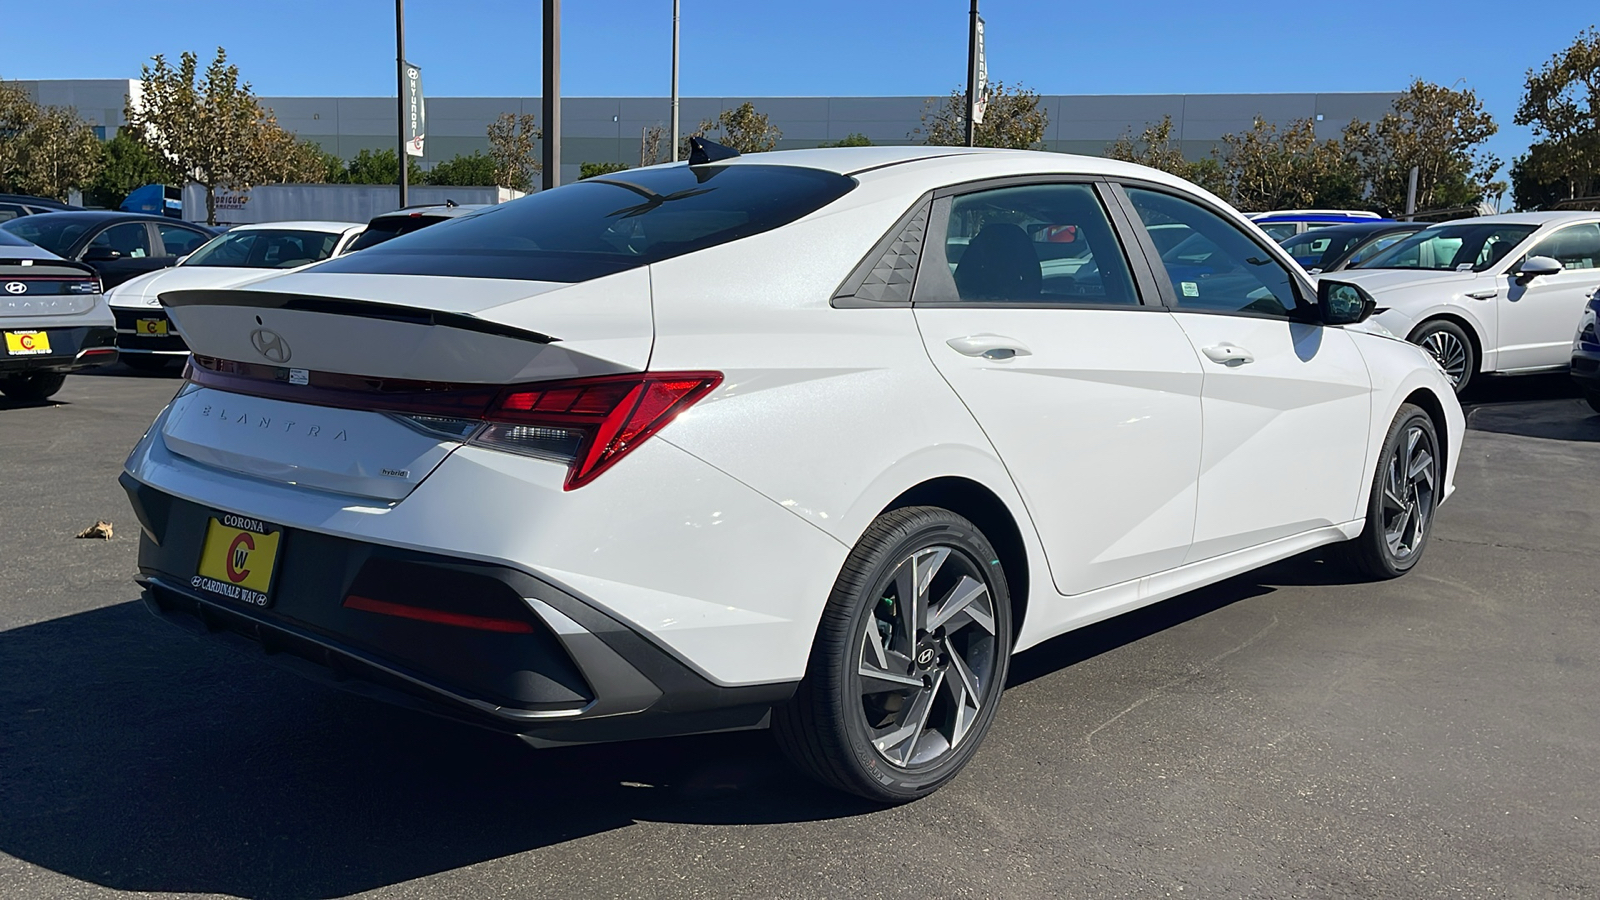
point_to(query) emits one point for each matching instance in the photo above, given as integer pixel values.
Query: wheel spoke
(967, 590)
(964, 692)
(882, 669)
(900, 745)
(1421, 468)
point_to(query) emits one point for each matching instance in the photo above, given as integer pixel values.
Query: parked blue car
(1282, 223)
(1586, 353)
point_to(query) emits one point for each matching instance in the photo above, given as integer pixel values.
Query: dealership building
(609, 129)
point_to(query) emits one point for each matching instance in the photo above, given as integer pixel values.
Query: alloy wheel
(1450, 353)
(928, 656)
(1409, 492)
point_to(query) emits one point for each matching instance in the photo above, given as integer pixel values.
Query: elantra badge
(270, 344)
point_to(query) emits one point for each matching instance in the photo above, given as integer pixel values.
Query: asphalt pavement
(1284, 734)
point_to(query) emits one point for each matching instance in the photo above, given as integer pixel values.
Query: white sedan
(1491, 294)
(815, 438)
(144, 334)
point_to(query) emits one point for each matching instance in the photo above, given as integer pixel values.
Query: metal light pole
(674, 80)
(552, 93)
(400, 94)
(972, 73)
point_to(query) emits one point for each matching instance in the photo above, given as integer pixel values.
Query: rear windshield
(604, 225)
(392, 227)
(261, 248)
(52, 233)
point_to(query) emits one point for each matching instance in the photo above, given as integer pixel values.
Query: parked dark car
(404, 221)
(1338, 247)
(14, 206)
(118, 245)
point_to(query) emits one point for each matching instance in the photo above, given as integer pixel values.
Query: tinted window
(1372, 247)
(131, 239)
(1459, 247)
(607, 224)
(1311, 248)
(180, 241)
(1040, 243)
(1280, 230)
(1218, 267)
(11, 211)
(1577, 247)
(389, 228)
(55, 235)
(265, 249)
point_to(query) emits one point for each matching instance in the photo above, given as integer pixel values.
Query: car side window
(1036, 243)
(180, 241)
(131, 239)
(1575, 247)
(1218, 267)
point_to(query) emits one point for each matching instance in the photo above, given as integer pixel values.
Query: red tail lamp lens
(437, 616)
(591, 423)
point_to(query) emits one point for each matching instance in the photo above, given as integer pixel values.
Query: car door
(178, 241)
(1286, 403)
(1029, 309)
(120, 251)
(1539, 315)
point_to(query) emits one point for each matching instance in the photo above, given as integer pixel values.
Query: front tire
(33, 387)
(1451, 348)
(909, 661)
(1405, 493)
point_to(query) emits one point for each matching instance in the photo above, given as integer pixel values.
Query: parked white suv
(1491, 294)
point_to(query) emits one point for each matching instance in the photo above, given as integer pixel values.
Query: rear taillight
(590, 423)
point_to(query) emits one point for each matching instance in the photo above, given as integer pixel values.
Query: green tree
(1012, 118)
(592, 169)
(1439, 130)
(853, 139)
(461, 170)
(1562, 106)
(1266, 169)
(212, 129)
(741, 128)
(129, 164)
(512, 139)
(1155, 147)
(381, 167)
(44, 150)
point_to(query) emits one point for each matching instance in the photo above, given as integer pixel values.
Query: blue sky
(821, 47)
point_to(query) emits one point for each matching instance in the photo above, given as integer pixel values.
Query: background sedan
(117, 245)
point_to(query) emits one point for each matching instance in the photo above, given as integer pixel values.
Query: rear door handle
(989, 346)
(1228, 354)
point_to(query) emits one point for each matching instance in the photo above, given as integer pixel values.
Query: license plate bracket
(238, 559)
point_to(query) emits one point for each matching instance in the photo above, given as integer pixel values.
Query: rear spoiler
(342, 306)
(50, 267)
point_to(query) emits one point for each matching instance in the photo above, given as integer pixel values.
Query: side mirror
(101, 254)
(1534, 266)
(1343, 303)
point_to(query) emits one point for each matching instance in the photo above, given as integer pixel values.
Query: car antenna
(703, 152)
(450, 204)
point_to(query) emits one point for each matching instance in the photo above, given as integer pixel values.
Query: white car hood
(145, 290)
(1381, 281)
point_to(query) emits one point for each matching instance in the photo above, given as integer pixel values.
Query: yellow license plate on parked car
(237, 559)
(151, 326)
(27, 343)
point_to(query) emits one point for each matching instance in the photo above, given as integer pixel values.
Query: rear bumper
(576, 675)
(71, 349)
(1586, 368)
(130, 339)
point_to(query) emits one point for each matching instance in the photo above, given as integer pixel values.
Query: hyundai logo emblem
(270, 344)
(16, 287)
(925, 657)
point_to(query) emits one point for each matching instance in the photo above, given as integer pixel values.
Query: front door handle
(1228, 354)
(989, 346)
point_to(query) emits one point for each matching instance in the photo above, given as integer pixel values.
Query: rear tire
(909, 661)
(32, 387)
(1451, 348)
(145, 362)
(1404, 495)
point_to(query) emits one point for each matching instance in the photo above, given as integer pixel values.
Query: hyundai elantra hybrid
(813, 440)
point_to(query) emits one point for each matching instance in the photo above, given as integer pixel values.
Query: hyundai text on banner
(416, 125)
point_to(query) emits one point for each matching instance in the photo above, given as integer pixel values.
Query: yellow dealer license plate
(151, 326)
(27, 343)
(237, 559)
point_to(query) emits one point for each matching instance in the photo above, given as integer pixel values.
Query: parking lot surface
(1283, 734)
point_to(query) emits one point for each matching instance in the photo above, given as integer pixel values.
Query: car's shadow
(139, 758)
(1540, 406)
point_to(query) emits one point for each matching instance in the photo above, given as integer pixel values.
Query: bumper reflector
(439, 617)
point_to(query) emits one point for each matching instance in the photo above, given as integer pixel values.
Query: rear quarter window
(603, 225)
